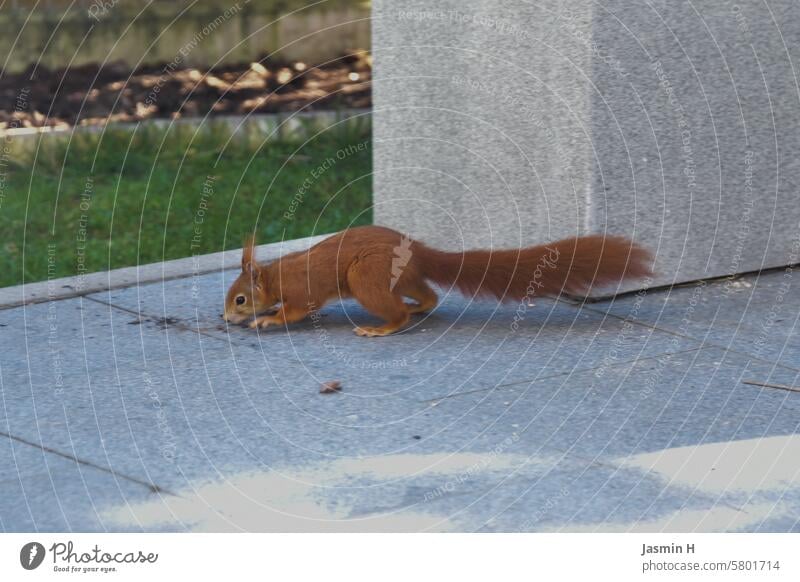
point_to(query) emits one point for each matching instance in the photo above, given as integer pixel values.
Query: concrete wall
(511, 123)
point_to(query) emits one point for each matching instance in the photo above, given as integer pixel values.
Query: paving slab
(463, 422)
(677, 400)
(619, 496)
(167, 404)
(500, 489)
(462, 344)
(758, 314)
(689, 408)
(43, 492)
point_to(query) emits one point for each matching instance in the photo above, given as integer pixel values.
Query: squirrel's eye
(239, 299)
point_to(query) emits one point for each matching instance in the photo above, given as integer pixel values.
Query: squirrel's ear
(248, 253)
(257, 274)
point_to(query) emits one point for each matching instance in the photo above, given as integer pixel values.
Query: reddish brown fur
(378, 267)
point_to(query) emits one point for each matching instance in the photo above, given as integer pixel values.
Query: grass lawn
(122, 198)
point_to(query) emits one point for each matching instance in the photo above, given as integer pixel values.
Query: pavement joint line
(704, 343)
(155, 319)
(560, 374)
(183, 327)
(151, 486)
(769, 385)
(579, 299)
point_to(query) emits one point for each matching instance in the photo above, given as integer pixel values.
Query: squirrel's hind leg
(369, 281)
(418, 290)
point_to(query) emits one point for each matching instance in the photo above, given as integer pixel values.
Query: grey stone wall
(512, 123)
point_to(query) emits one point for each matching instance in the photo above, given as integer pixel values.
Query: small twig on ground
(768, 385)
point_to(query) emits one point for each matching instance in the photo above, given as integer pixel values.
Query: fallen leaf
(330, 387)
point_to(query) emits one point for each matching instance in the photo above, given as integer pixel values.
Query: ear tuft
(248, 253)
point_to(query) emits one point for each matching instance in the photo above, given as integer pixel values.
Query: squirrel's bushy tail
(573, 266)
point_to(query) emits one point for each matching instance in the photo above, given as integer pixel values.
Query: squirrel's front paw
(262, 322)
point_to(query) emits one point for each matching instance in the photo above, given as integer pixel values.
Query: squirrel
(379, 267)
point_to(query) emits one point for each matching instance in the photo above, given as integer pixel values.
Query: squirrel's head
(249, 295)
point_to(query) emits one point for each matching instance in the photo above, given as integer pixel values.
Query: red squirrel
(378, 267)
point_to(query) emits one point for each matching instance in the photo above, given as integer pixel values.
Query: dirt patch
(90, 95)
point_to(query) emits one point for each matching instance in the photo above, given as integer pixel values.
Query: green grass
(149, 196)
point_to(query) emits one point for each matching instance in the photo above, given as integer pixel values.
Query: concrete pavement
(138, 409)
